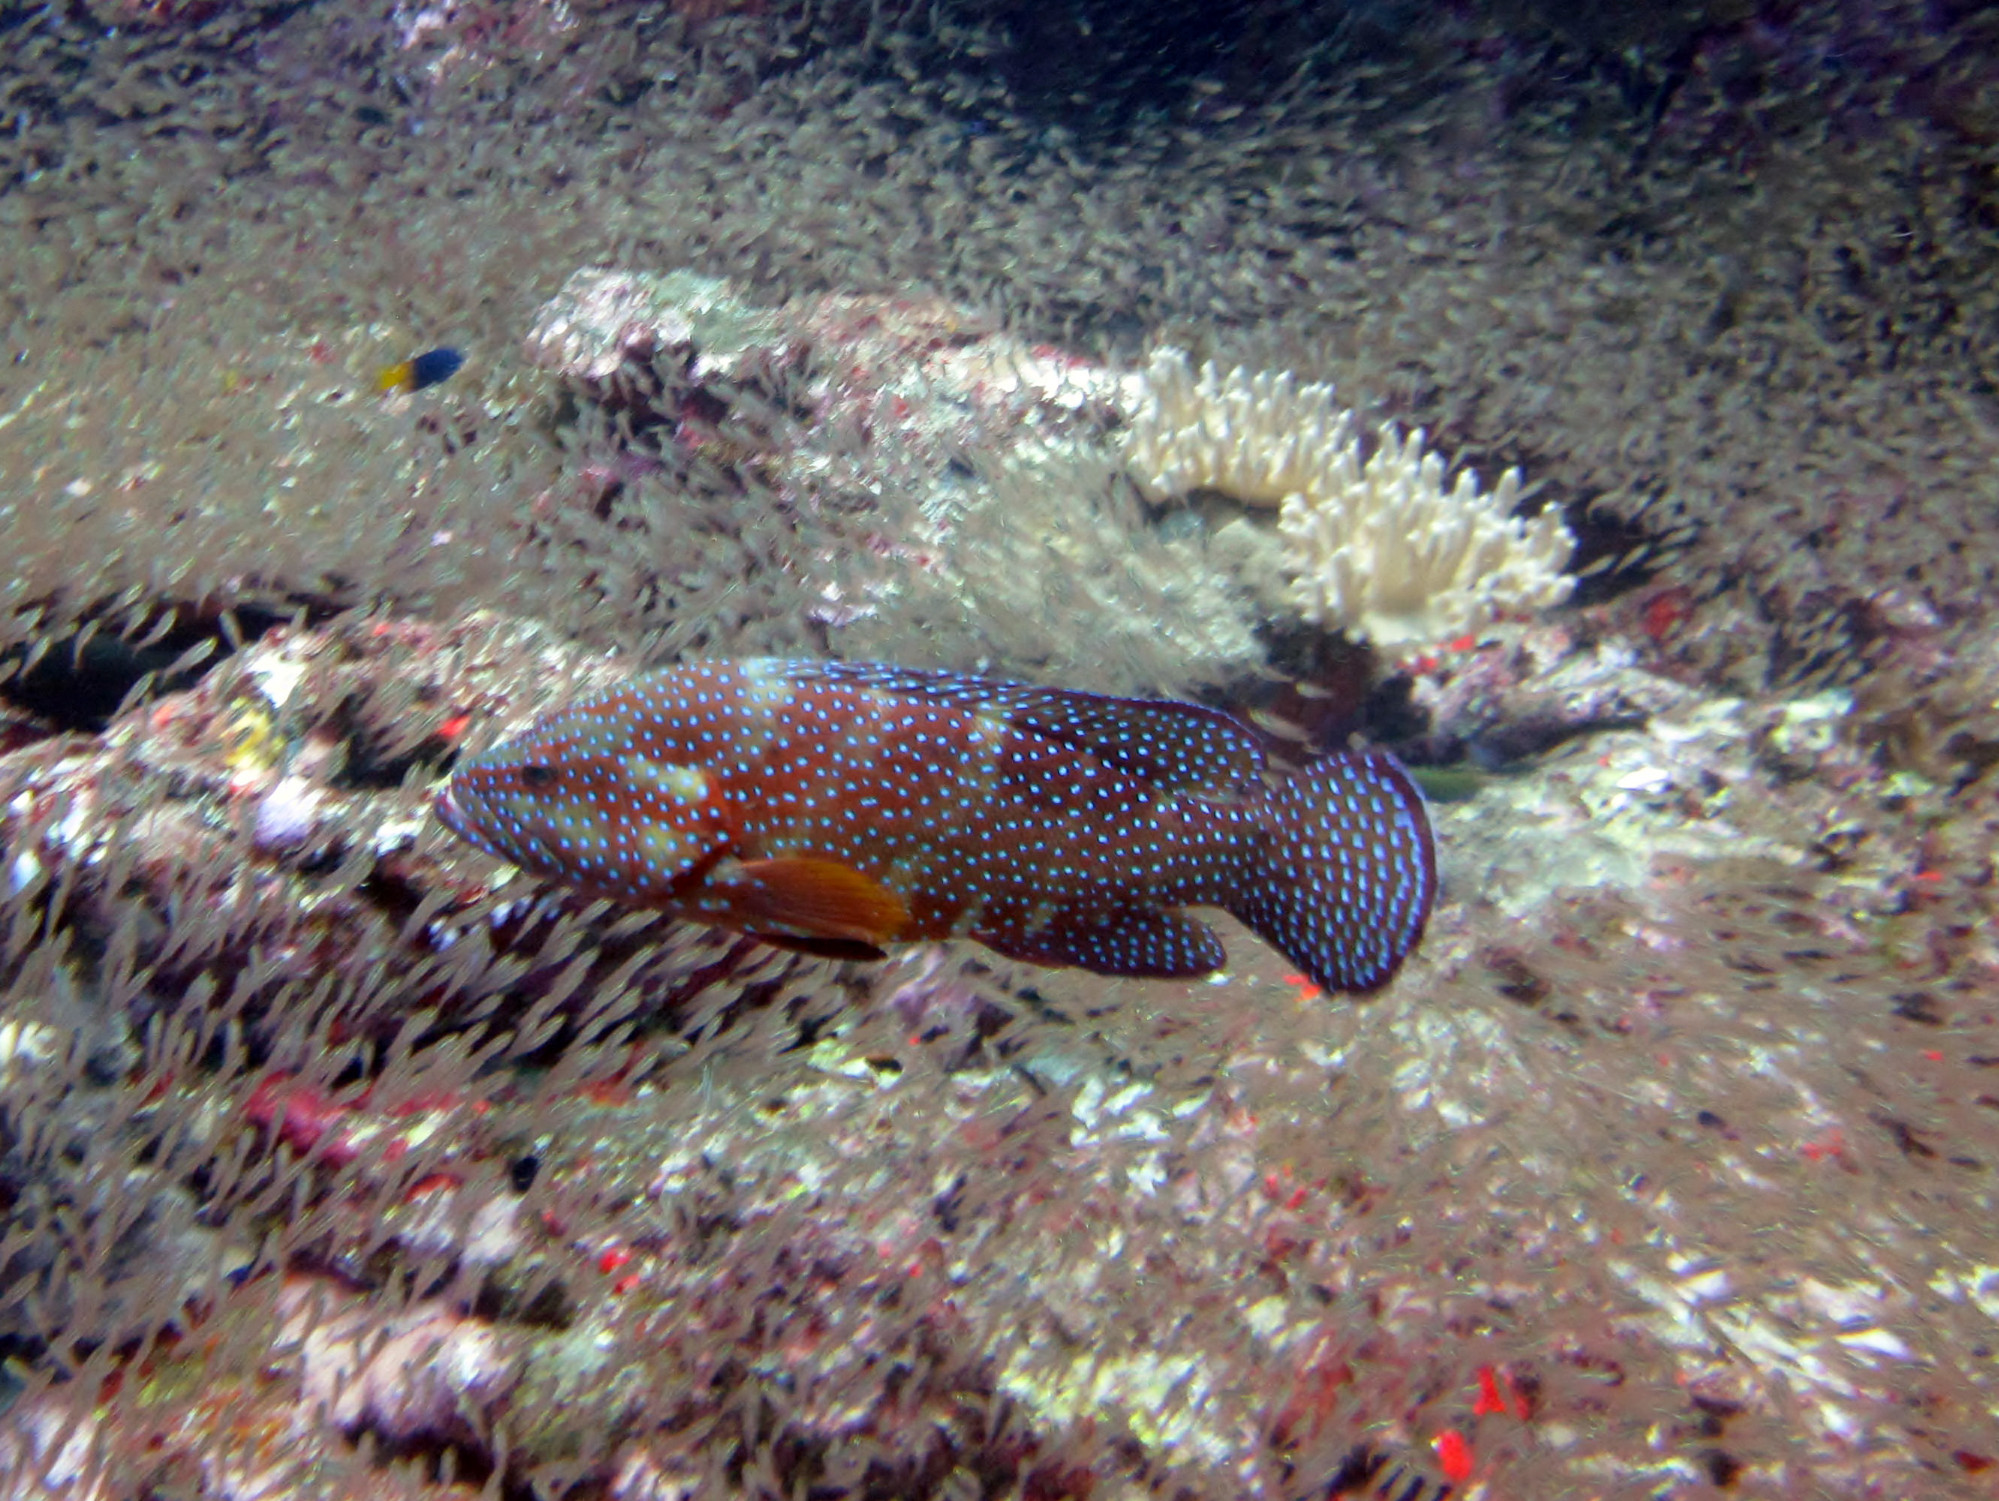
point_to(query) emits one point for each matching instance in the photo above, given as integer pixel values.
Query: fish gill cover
(337, 1161)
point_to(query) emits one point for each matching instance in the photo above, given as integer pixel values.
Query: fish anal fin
(1149, 943)
(808, 898)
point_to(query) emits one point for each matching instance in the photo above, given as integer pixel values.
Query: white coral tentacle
(1256, 436)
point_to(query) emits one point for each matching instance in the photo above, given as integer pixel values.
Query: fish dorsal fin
(1175, 746)
(807, 897)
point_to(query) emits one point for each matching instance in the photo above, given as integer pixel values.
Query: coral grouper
(835, 807)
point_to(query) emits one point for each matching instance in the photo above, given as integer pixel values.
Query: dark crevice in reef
(1317, 694)
(1618, 551)
(76, 680)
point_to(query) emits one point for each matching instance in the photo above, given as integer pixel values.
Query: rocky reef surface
(337, 1160)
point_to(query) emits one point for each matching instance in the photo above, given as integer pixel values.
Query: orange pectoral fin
(816, 899)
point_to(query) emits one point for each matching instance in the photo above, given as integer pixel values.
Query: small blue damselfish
(420, 372)
(838, 807)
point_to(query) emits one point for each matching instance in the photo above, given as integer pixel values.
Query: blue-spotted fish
(838, 807)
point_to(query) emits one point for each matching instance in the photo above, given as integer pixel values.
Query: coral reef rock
(960, 479)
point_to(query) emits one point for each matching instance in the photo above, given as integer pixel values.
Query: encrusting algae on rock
(837, 807)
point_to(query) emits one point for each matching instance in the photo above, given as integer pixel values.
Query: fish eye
(537, 778)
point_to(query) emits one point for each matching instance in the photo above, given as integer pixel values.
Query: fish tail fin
(1348, 874)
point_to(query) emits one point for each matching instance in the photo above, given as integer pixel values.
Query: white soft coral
(1375, 547)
